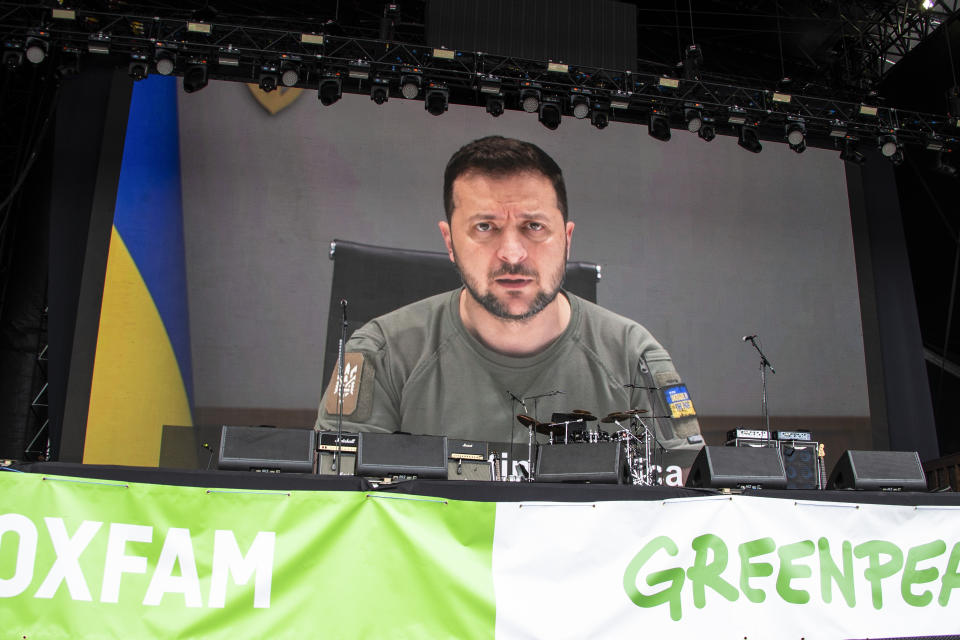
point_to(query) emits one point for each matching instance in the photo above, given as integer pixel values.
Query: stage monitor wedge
(266, 449)
(738, 468)
(878, 471)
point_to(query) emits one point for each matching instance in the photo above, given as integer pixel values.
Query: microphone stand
(536, 417)
(764, 363)
(340, 385)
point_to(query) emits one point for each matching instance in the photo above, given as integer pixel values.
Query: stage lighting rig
(694, 119)
(380, 90)
(12, 55)
(795, 132)
(36, 49)
(436, 99)
(139, 67)
(99, 43)
(359, 69)
(887, 143)
(195, 77)
(530, 97)
(329, 90)
(410, 84)
(620, 100)
(579, 103)
(550, 113)
(268, 78)
(490, 85)
(289, 71)
(750, 138)
(707, 131)
(599, 115)
(495, 106)
(165, 62)
(849, 153)
(737, 115)
(692, 61)
(659, 126)
(941, 166)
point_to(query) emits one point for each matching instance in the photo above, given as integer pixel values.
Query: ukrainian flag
(142, 375)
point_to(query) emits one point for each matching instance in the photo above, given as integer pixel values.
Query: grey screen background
(700, 242)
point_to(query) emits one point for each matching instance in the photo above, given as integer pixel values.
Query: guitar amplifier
(597, 462)
(467, 460)
(382, 455)
(327, 449)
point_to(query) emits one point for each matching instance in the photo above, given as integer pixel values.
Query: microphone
(343, 303)
(517, 400)
(745, 338)
(210, 459)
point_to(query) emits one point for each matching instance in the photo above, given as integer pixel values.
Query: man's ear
(445, 232)
(569, 231)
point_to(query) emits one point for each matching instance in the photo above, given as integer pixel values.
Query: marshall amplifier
(327, 449)
(743, 437)
(468, 460)
(381, 455)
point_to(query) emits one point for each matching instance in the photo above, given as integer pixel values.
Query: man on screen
(464, 363)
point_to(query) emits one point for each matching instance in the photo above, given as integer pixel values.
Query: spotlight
(165, 63)
(888, 144)
(943, 167)
(99, 43)
(692, 61)
(379, 90)
(737, 115)
(796, 136)
(694, 119)
(12, 58)
(36, 50)
(138, 67)
(599, 117)
(530, 100)
(581, 106)
(550, 114)
(495, 106)
(268, 78)
(490, 85)
(620, 100)
(195, 78)
(329, 90)
(707, 131)
(436, 98)
(290, 76)
(359, 70)
(849, 153)
(659, 126)
(897, 158)
(750, 139)
(410, 86)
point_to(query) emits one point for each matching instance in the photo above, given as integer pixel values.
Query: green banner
(85, 558)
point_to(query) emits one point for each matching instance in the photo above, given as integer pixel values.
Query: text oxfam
(883, 560)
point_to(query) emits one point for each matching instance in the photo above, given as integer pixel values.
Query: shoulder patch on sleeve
(354, 384)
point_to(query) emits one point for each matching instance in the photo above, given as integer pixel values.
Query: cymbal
(571, 417)
(584, 415)
(637, 411)
(616, 417)
(527, 421)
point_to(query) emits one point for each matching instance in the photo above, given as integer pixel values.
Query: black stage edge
(457, 489)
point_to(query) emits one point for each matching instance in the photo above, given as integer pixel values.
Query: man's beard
(493, 305)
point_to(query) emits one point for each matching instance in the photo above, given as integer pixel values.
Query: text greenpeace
(830, 568)
(174, 569)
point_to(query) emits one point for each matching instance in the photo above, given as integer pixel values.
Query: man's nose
(513, 248)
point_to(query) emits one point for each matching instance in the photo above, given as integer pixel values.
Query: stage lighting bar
(629, 96)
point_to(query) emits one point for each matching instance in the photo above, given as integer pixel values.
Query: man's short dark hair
(497, 156)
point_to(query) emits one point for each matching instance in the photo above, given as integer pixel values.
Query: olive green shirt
(423, 373)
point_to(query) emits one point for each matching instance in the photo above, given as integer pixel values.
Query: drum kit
(627, 427)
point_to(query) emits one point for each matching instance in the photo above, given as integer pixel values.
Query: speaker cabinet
(266, 449)
(394, 454)
(597, 462)
(801, 465)
(878, 471)
(738, 467)
(467, 460)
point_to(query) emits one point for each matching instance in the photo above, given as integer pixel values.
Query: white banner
(723, 567)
